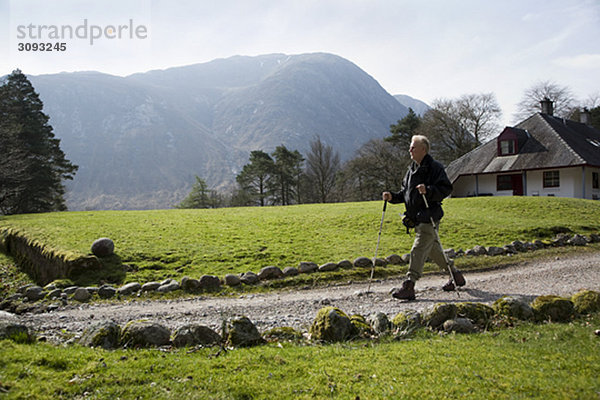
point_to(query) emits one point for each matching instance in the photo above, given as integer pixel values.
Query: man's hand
(422, 189)
(387, 196)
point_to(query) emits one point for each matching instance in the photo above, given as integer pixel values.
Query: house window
(595, 181)
(507, 147)
(504, 182)
(551, 179)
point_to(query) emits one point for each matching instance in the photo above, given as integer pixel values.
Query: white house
(541, 156)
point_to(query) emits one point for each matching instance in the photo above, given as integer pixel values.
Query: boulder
(129, 288)
(103, 247)
(406, 258)
(54, 294)
(577, 240)
(270, 272)
(553, 308)
(232, 280)
(169, 286)
(380, 262)
(145, 334)
(106, 291)
(241, 332)
(459, 325)
(249, 278)
(363, 262)
(380, 323)
(194, 335)
(477, 251)
(69, 290)
(394, 259)
(518, 246)
(150, 286)
(34, 293)
(481, 314)
(15, 331)
(290, 271)
(283, 333)
(586, 301)
(513, 307)
(361, 325)
(495, 251)
(328, 267)
(209, 283)
(307, 267)
(345, 264)
(82, 294)
(332, 325)
(407, 320)
(435, 316)
(190, 285)
(105, 334)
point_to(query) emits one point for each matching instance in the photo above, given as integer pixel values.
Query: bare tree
(322, 166)
(480, 115)
(447, 130)
(561, 96)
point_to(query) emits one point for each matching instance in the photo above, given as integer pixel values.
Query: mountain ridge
(140, 139)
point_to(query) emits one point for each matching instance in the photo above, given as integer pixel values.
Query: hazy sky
(427, 49)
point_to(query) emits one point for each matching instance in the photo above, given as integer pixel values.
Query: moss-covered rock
(480, 314)
(513, 307)
(586, 301)
(15, 331)
(332, 325)
(194, 335)
(361, 325)
(435, 316)
(241, 332)
(105, 334)
(144, 334)
(553, 308)
(380, 323)
(407, 320)
(283, 333)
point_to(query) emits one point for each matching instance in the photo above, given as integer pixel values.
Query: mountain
(418, 106)
(140, 140)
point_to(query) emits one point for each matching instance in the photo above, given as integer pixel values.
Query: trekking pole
(437, 236)
(377, 248)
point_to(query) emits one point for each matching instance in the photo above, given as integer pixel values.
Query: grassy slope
(555, 361)
(174, 243)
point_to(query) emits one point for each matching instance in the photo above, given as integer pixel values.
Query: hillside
(139, 140)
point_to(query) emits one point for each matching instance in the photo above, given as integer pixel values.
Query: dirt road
(563, 276)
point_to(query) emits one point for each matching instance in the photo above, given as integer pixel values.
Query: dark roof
(552, 143)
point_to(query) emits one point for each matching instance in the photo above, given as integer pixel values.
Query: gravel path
(561, 276)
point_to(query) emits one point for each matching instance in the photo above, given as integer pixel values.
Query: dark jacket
(432, 174)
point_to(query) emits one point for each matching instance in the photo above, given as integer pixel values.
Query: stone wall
(41, 263)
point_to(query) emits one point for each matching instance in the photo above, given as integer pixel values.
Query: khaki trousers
(426, 244)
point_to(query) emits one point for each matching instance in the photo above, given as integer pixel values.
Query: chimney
(547, 106)
(585, 117)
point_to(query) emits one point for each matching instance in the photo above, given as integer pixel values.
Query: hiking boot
(406, 292)
(458, 278)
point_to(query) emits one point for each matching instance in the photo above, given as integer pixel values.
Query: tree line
(454, 127)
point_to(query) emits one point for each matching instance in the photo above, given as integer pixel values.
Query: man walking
(425, 177)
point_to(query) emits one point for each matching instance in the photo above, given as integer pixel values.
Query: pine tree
(30, 137)
(199, 197)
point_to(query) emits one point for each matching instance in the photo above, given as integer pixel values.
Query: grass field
(549, 361)
(174, 243)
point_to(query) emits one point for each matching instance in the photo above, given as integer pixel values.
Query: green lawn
(549, 361)
(175, 243)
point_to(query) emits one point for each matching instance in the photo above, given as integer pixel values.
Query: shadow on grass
(111, 271)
